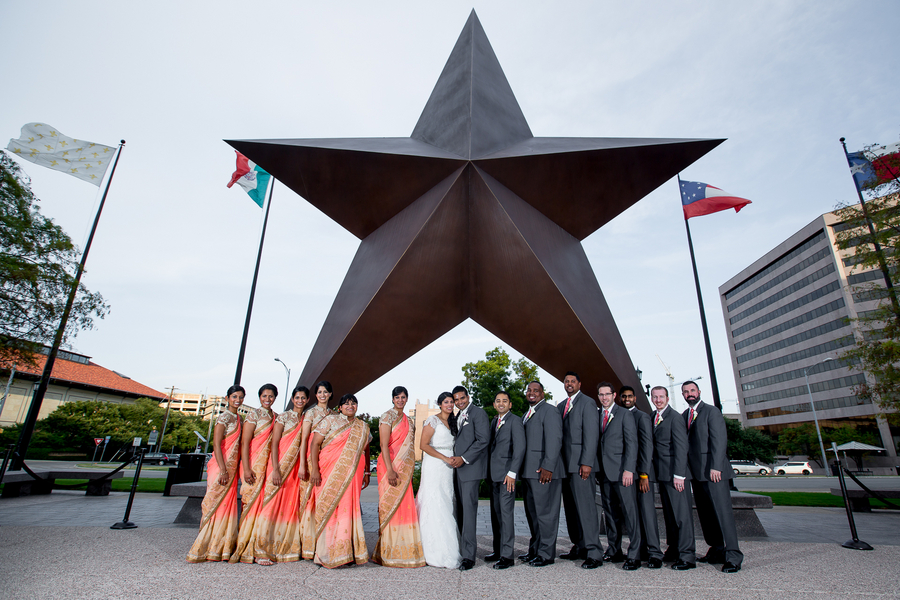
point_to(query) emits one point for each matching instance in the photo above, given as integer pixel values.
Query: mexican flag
(250, 176)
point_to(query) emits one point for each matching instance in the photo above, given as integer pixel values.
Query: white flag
(46, 146)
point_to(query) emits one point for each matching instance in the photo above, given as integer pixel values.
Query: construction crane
(673, 398)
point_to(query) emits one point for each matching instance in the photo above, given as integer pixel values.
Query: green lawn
(811, 499)
(124, 484)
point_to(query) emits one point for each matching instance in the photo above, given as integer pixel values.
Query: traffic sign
(154, 435)
(136, 442)
(98, 441)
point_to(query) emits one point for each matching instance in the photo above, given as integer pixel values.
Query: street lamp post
(815, 416)
(288, 386)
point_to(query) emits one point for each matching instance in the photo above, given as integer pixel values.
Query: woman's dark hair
(451, 420)
(324, 384)
(235, 388)
(301, 388)
(346, 398)
(399, 390)
(269, 386)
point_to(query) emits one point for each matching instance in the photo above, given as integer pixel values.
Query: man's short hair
(659, 387)
(606, 384)
(459, 389)
(628, 388)
(689, 382)
(537, 382)
(573, 374)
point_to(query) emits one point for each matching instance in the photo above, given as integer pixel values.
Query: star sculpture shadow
(472, 217)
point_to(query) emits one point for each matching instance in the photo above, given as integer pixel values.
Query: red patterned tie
(692, 417)
(568, 407)
(605, 419)
(658, 418)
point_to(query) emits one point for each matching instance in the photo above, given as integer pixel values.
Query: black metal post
(855, 543)
(125, 523)
(38, 398)
(9, 450)
(709, 357)
(262, 239)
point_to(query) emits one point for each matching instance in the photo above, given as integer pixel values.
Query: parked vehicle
(794, 468)
(160, 458)
(749, 467)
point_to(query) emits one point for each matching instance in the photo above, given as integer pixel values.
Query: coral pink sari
(333, 533)
(250, 494)
(399, 542)
(219, 525)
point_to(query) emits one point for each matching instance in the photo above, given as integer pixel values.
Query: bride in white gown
(435, 501)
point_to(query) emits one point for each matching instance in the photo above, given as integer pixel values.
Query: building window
(793, 409)
(792, 254)
(804, 318)
(795, 374)
(795, 339)
(783, 293)
(821, 386)
(801, 301)
(824, 348)
(780, 278)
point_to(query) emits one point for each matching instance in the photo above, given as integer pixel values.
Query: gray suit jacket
(644, 424)
(472, 443)
(707, 443)
(581, 433)
(618, 445)
(670, 446)
(543, 443)
(507, 447)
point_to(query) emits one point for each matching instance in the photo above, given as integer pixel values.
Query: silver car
(749, 467)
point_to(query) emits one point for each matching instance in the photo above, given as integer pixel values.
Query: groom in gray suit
(507, 453)
(470, 462)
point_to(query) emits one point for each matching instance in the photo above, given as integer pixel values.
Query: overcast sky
(175, 250)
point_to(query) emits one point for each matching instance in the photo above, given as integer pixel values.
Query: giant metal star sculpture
(472, 217)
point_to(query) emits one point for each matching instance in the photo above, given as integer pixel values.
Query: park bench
(20, 483)
(859, 499)
(193, 493)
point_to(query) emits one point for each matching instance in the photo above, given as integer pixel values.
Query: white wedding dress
(435, 502)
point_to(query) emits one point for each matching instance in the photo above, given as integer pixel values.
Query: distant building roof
(78, 370)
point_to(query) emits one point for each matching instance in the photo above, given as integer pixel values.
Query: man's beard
(692, 401)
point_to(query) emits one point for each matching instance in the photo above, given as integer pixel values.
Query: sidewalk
(60, 546)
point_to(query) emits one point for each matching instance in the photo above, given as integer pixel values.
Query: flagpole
(882, 262)
(38, 398)
(709, 357)
(262, 239)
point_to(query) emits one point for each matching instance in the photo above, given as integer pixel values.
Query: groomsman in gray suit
(618, 463)
(710, 472)
(646, 504)
(581, 434)
(470, 461)
(507, 452)
(542, 472)
(670, 449)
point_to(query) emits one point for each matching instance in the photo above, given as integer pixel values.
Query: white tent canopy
(856, 446)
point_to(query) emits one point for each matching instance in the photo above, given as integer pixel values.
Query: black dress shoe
(466, 564)
(631, 565)
(492, 557)
(618, 557)
(654, 563)
(591, 563)
(540, 561)
(574, 554)
(730, 567)
(712, 558)
(528, 557)
(681, 565)
(504, 563)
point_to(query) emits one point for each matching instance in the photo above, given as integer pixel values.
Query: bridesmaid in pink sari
(255, 446)
(339, 460)
(399, 542)
(219, 524)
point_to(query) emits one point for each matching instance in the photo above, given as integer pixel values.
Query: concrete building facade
(788, 315)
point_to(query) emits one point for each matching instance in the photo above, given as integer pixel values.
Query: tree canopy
(803, 439)
(484, 378)
(748, 444)
(37, 269)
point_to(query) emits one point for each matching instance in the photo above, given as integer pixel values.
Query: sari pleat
(260, 447)
(399, 541)
(219, 523)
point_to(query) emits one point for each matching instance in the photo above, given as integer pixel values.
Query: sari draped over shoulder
(314, 416)
(399, 542)
(219, 523)
(333, 531)
(260, 446)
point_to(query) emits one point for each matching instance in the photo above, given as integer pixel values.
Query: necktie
(568, 407)
(605, 419)
(528, 414)
(499, 423)
(658, 418)
(693, 415)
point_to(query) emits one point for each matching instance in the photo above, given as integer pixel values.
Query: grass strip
(811, 499)
(145, 485)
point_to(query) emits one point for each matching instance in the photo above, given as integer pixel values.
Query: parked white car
(749, 467)
(794, 468)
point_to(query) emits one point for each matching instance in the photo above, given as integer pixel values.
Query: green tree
(484, 378)
(803, 439)
(37, 265)
(749, 444)
(372, 422)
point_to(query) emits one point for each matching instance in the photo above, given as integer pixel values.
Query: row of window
(780, 278)
(792, 254)
(821, 386)
(796, 374)
(795, 339)
(858, 258)
(844, 402)
(877, 293)
(784, 292)
(804, 318)
(824, 348)
(790, 307)
(864, 277)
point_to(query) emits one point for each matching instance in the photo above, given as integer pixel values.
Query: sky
(175, 250)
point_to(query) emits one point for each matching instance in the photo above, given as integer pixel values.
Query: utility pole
(166, 421)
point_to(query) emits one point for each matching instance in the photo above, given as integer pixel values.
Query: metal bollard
(9, 450)
(125, 523)
(855, 543)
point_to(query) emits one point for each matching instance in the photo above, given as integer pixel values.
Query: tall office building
(788, 315)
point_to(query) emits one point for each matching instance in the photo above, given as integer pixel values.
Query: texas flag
(250, 176)
(699, 199)
(875, 166)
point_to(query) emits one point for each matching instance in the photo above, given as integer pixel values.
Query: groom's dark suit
(507, 453)
(543, 443)
(471, 444)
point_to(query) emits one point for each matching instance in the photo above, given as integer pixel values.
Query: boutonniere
(500, 424)
(463, 419)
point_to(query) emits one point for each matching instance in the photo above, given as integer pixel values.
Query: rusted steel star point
(472, 217)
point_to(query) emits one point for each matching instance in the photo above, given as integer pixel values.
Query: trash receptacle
(189, 469)
(834, 470)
